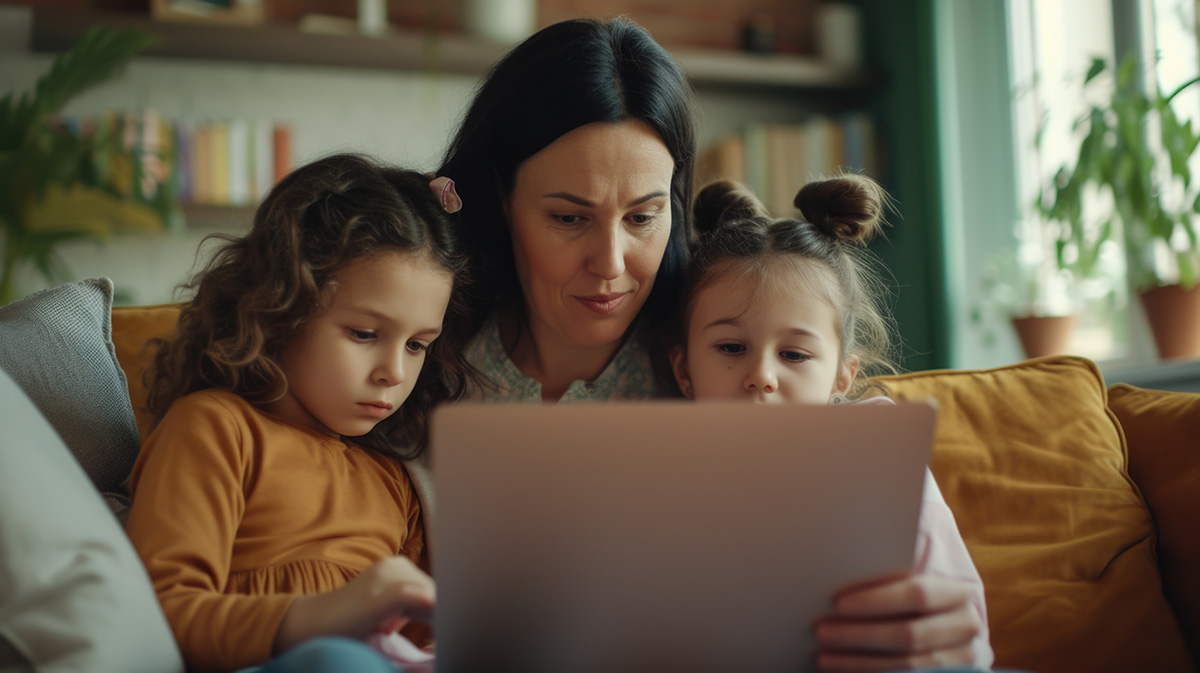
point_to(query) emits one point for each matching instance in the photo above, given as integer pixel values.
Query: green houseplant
(1032, 293)
(1135, 151)
(57, 185)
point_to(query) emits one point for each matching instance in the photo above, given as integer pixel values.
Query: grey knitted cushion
(57, 345)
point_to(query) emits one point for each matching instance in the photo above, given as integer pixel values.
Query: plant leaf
(98, 56)
(89, 211)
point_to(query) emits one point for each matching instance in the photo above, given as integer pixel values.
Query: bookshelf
(55, 30)
(743, 87)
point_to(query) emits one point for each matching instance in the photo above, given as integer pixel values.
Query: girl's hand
(389, 593)
(916, 621)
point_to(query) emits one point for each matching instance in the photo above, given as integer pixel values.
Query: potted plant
(1135, 151)
(58, 185)
(1040, 294)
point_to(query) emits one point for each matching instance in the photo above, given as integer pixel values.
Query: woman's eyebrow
(580, 201)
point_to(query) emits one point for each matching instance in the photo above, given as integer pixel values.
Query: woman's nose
(606, 256)
(761, 378)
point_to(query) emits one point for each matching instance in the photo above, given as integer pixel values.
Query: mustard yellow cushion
(1033, 465)
(1162, 430)
(132, 327)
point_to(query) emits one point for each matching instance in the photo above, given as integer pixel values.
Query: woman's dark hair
(565, 76)
(258, 290)
(841, 215)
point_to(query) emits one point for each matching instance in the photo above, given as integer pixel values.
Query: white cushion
(73, 593)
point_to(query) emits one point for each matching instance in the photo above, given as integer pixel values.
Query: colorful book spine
(219, 167)
(757, 163)
(282, 139)
(184, 131)
(264, 159)
(201, 165)
(239, 162)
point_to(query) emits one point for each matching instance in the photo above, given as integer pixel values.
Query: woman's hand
(916, 621)
(387, 595)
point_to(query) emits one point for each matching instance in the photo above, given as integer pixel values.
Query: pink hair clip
(443, 189)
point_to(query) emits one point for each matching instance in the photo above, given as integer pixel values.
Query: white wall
(978, 173)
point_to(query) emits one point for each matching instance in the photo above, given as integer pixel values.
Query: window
(998, 245)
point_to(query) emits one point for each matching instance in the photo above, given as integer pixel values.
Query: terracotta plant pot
(1174, 316)
(1045, 335)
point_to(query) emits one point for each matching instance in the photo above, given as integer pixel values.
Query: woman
(591, 86)
(575, 164)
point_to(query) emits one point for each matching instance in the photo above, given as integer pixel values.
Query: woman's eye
(794, 356)
(568, 219)
(732, 349)
(361, 334)
(642, 218)
(416, 346)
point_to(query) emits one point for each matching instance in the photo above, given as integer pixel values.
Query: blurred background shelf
(410, 50)
(211, 218)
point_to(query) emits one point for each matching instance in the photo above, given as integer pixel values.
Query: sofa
(1080, 502)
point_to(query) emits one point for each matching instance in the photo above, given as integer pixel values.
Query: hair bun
(722, 202)
(848, 207)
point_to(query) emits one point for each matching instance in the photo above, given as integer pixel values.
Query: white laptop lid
(663, 536)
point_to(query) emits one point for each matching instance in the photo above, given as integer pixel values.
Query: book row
(223, 163)
(775, 160)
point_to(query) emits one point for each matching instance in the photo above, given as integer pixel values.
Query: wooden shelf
(56, 30)
(770, 70)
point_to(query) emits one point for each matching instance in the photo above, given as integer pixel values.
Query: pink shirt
(941, 551)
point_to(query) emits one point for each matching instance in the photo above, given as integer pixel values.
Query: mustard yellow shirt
(236, 512)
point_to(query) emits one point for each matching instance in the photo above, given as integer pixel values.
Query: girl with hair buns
(790, 311)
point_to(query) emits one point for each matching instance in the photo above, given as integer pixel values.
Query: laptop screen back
(666, 536)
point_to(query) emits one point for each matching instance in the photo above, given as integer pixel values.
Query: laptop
(664, 536)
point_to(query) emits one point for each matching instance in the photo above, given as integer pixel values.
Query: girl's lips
(603, 304)
(376, 409)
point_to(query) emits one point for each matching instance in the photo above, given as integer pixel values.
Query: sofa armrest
(1162, 431)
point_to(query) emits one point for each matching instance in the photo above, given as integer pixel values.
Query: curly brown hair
(841, 214)
(256, 292)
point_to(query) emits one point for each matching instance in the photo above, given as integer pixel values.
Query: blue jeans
(328, 655)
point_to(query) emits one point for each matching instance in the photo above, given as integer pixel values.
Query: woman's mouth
(603, 304)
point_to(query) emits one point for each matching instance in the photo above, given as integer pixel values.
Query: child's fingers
(414, 594)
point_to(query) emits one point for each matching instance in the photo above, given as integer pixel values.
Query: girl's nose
(390, 370)
(761, 379)
(606, 258)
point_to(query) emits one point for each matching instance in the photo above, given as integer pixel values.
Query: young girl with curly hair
(787, 311)
(270, 504)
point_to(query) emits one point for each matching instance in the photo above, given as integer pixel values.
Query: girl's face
(590, 216)
(355, 362)
(773, 344)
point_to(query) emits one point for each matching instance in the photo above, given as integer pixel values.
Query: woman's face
(590, 216)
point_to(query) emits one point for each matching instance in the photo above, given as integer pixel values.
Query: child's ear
(679, 367)
(845, 379)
